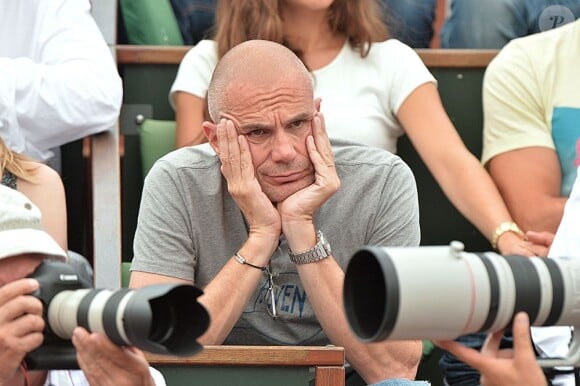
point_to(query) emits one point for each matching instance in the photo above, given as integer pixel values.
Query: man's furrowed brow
(250, 126)
(299, 117)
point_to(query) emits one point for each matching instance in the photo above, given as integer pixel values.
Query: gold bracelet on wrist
(508, 226)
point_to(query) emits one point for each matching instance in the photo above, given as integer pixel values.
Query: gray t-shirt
(189, 226)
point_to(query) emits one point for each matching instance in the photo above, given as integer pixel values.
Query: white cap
(21, 231)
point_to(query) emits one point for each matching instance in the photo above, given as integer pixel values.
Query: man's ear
(317, 104)
(210, 131)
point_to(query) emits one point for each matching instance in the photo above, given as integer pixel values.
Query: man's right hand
(21, 325)
(238, 169)
(106, 364)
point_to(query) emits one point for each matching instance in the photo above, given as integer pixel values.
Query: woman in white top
(373, 91)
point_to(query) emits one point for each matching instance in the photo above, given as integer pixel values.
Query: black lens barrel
(371, 294)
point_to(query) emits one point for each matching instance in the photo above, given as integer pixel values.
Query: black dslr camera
(162, 319)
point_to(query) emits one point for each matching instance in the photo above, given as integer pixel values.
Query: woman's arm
(189, 114)
(459, 173)
(47, 193)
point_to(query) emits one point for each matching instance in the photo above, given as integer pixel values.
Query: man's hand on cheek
(301, 206)
(238, 169)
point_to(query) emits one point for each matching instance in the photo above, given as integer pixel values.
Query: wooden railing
(442, 58)
(433, 58)
(327, 362)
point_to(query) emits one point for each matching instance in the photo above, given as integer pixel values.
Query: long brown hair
(361, 21)
(14, 163)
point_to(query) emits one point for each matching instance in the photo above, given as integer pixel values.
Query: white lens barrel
(62, 312)
(442, 292)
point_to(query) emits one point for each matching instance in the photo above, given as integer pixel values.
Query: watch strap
(320, 251)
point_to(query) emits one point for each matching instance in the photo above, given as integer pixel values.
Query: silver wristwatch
(318, 252)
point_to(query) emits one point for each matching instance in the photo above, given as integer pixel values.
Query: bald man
(267, 214)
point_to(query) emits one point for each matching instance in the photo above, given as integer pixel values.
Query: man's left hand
(301, 206)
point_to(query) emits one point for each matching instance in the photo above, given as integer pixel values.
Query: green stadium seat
(157, 138)
(150, 22)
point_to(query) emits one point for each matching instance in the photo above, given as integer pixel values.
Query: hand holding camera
(162, 319)
(21, 325)
(104, 363)
(503, 367)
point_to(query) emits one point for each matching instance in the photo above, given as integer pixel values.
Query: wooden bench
(255, 366)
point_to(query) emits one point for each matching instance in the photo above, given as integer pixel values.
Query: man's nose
(283, 149)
